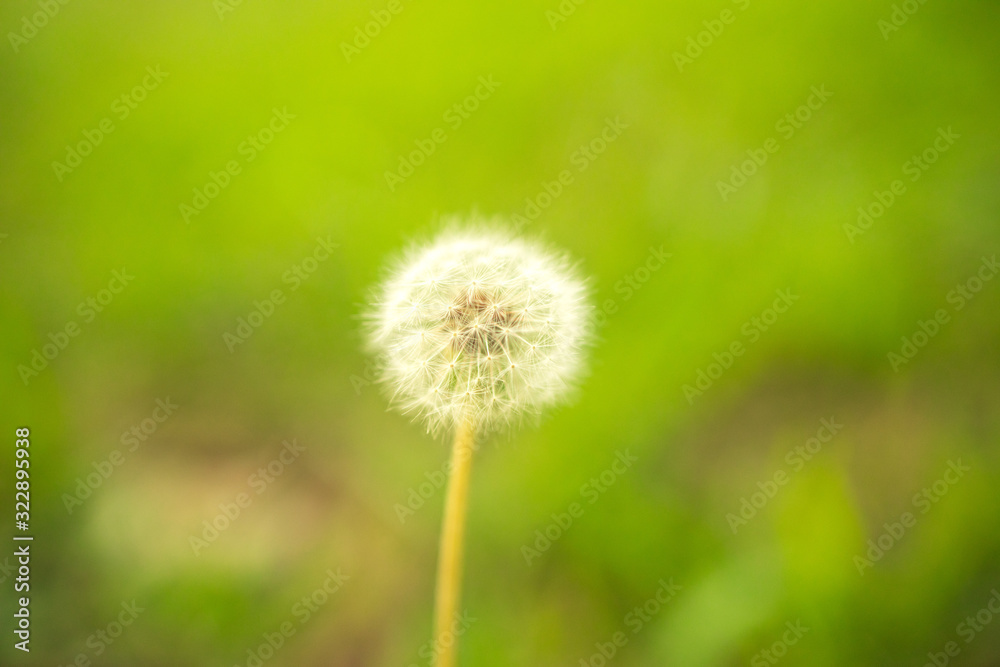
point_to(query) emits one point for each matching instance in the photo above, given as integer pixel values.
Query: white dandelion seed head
(479, 327)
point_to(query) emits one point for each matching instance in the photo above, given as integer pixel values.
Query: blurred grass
(655, 185)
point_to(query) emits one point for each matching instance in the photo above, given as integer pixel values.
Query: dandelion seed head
(479, 326)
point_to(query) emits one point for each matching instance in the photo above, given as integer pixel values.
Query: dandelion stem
(449, 575)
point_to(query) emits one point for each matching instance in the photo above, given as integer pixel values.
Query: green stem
(449, 575)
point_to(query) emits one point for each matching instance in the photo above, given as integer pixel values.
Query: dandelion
(478, 330)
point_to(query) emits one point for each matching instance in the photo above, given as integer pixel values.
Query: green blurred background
(301, 376)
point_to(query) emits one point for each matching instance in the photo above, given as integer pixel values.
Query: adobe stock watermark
(302, 610)
(373, 366)
(630, 284)
(417, 496)
(248, 149)
(363, 35)
(310, 604)
(968, 630)
(6, 569)
(454, 116)
(796, 459)
(223, 7)
(430, 649)
(696, 44)
(30, 25)
(102, 639)
(776, 651)
(88, 309)
(562, 12)
(258, 482)
(958, 297)
(900, 14)
(581, 159)
(131, 441)
(786, 127)
(635, 620)
(294, 277)
(915, 167)
(590, 491)
(924, 500)
(122, 107)
(752, 329)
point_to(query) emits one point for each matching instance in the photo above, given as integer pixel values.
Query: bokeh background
(302, 376)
